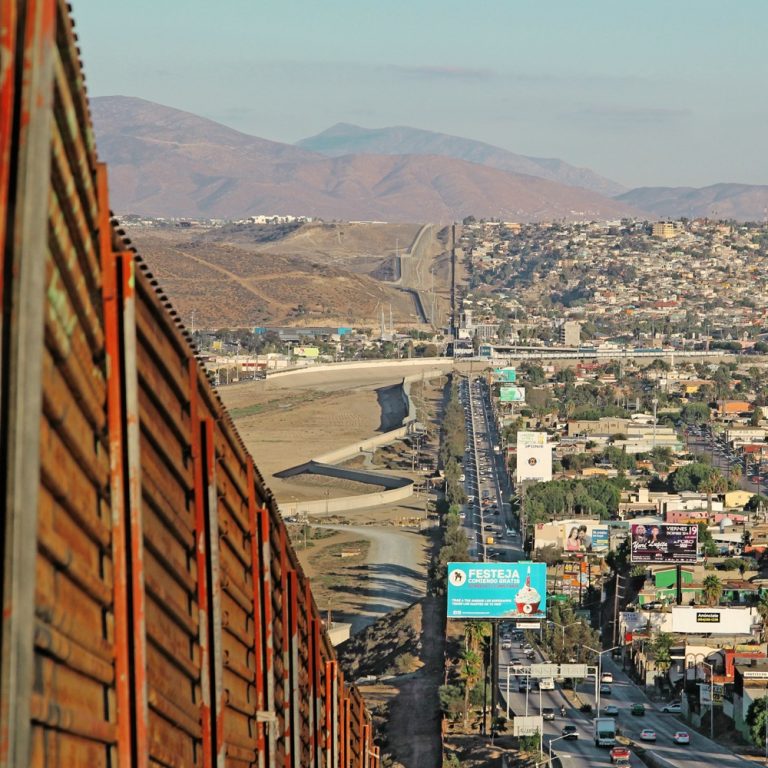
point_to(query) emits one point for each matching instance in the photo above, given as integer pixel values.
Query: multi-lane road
(582, 752)
(487, 517)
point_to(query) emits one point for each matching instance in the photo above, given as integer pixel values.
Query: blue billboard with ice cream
(497, 590)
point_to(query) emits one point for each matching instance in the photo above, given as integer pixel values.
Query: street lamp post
(599, 672)
(551, 742)
(563, 627)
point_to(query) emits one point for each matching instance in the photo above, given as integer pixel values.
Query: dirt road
(395, 574)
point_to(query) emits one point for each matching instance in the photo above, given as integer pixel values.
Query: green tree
(534, 374)
(757, 715)
(762, 609)
(471, 670)
(706, 542)
(756, 502)
(695, 413)
(713, 483)
(529, 744)
(713, 590)
(689, 477)
(451, 700)
(661, 647)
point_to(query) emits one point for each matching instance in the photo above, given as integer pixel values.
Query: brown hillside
(228, 285)
(165, 162)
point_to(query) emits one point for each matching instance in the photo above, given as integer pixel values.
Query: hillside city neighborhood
(601, 288)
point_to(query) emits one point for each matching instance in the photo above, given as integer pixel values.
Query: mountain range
(346, 139)
(743, 202)
(166, 162)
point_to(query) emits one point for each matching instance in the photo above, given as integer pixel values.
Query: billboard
(508, 375)
(575, 536)
(534, 457)
(706, 620)
(497, 590)
(658, 543)
(527, 726)
(306, 351)
(600, 539)
(584, 537)
(508, 394)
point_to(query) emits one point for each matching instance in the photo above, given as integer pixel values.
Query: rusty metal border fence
(154, 611)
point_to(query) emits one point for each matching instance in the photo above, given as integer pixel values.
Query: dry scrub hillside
(246, 284)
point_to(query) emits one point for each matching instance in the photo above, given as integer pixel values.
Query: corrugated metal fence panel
(154, 611)
(238, 636)
(172, 617)
(73, 704)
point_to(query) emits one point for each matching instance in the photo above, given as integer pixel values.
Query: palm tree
(713, 483)
(474, 631)
(762, 609)
(713, 590)
(471, 671)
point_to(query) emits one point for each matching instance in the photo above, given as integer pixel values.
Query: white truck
(605, 732)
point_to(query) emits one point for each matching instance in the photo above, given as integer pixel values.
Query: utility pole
(616, 589)
(494, 673)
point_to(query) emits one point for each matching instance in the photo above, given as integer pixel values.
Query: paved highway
(583, 753)
(486, 514)
(482, 480)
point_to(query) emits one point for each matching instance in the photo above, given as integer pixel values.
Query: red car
(619, 753)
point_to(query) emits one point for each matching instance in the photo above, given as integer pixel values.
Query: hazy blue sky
(647, 92)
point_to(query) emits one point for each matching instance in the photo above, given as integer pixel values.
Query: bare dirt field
(327, 274)
(287, 420)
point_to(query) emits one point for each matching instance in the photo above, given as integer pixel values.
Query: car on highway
(506, 644)
(622, 762)
(619, 752)
(647, 734)
(606, 677)
(638, 710)
(675, 708)
(570, 732)
(681, 737)
(605, 689)
(611, 711)
(548, 713)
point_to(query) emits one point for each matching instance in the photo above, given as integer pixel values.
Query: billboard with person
(576, 536)
(659, 543)
(497, 590)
